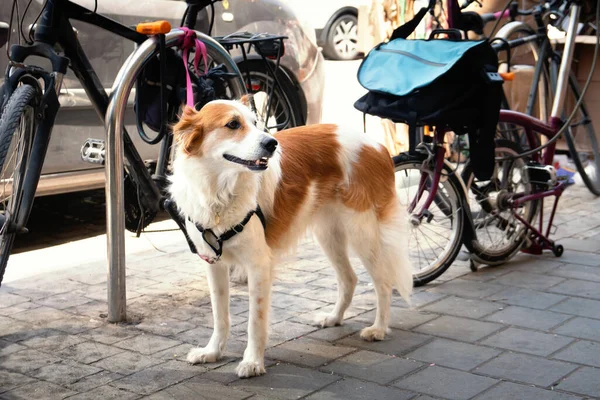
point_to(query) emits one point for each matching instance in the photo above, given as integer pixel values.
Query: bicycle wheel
(524, 94)
(17, 129)
(583, 144)
(285, 110)
(498, 233)
(434, 242)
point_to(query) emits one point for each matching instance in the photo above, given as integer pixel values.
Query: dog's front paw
(326, 320)
(372, 333)
(247, 369)
(201, 355)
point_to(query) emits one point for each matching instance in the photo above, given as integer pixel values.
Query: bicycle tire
(480, 252)
(451, 187)
(287, 107)
(19, 110)
(590, 171)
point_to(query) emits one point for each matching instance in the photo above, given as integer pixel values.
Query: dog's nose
(269, 144)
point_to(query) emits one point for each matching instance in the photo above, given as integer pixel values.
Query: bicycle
(437, 195)
(29, 104)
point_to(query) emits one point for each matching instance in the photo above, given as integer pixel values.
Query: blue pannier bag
(438, 82)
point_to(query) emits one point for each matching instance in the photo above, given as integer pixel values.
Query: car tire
(342, 38)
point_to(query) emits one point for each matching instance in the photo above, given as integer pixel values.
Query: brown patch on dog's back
(309, 156)
(372, 182)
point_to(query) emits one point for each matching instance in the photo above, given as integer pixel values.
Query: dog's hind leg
(218, 282)
(333, 241)
(259, 292)
(380, 248)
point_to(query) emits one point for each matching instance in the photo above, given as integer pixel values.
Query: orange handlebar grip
(507, 76)
(153, 28)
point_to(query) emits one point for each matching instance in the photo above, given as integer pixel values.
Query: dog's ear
(188, 132)
(245, 100)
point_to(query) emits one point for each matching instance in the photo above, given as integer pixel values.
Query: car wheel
(342, 38)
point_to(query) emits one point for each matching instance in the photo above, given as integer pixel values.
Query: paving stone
(417, 299)
(400, 318)
(93, 381)
(525, 341)
(63, 300)
(275, 315)
(88, 352)
(449, 353)
(126, 363)
(582, 272)
(314, 317)
(583, 328)
(576, 257)
(587, 245)
(527, 369)
(295, 303)
(528, 318)
(287, 330)
(10, 299)
(27, 360)
(198, 336)
(110, 334)
(353, 389)
(50, 340)
(38, 390)
(447, 383)
(225, 373)
(575, 287)
(147, 343)
(17, 308)
(528, 281)
(75, 324)
(41, 315)
(308, 352)
(7, 347)
(201, 389)
(370, 366)
(526, 298)
(12, 330)
(586, 381)
(513, 391)
(93, 309)
(466, 288)
(466, 330)
(65, 372)
(164, 326)
(286, 381)
(460, 307)
(334, 333)
(581, 352)
(158, 377)
(581, 307)
(395, 342)
(10, 380)
(106, 393)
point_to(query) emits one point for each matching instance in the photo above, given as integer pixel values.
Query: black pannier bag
(438, 82)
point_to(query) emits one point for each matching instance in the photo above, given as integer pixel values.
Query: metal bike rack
(115, 217)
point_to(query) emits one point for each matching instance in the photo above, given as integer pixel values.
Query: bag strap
(403, 31)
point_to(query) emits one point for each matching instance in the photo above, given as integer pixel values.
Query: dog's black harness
(210, 238)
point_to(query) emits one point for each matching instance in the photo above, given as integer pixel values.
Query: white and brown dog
(336, 183)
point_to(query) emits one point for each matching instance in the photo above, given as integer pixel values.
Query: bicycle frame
(532, 127)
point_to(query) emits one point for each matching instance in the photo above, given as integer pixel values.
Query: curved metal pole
(115, 218)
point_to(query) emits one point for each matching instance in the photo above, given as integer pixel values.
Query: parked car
(64, 171)
(335, 23)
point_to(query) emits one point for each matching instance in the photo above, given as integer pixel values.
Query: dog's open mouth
(254, 165)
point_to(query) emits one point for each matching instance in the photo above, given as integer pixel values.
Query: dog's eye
(233, 124)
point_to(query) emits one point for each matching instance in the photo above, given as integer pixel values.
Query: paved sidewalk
(526, 330)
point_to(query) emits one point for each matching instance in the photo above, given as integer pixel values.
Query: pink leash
(188, 41)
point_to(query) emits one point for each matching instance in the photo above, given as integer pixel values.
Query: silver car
(64, 171)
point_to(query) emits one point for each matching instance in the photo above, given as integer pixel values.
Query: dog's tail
(394, 251)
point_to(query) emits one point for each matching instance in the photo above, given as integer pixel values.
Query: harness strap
(188, 41)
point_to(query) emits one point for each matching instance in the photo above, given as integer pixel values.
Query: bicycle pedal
(93, 151)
